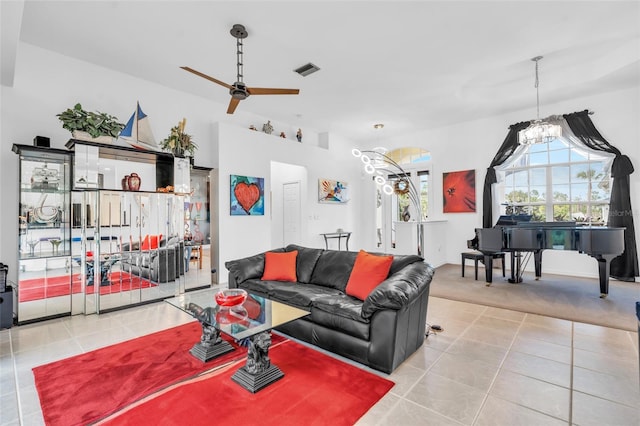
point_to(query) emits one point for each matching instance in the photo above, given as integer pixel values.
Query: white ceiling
(412, 65)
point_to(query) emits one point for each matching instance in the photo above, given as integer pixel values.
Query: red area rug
(90, 386)
(316, 390)
(42, 288)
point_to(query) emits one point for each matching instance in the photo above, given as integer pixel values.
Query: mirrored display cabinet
(44, 223)
(103, 227)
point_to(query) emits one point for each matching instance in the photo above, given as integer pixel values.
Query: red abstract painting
(459, 192)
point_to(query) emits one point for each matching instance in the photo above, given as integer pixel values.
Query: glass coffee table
(249, 324)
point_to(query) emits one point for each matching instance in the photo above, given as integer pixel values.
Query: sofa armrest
(247, 268)
(399, 289)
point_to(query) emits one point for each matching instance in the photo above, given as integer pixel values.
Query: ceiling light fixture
(378, 126)
(539, 131)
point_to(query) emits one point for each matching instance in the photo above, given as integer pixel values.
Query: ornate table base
(258, 372)
(207, 352)
(211, 344)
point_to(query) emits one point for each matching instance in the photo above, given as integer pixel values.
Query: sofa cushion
(151, 242)
(296, 294)
(333, 269)
(368, 271)
(341, 312)
(306, 262)
(280, 266)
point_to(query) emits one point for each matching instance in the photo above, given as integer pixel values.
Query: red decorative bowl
(231, 297)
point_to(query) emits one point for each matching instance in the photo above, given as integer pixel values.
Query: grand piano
(523, 239)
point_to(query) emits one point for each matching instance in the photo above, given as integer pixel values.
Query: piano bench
(477, 256)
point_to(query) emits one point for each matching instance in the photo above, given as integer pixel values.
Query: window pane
(560, 192)
(539, 176)
(537, 193)
(537, 158)
(559, 156)
(580, 212)
(576, 156)
(582, 172)
(521, 178)
(560, 174)
(556, 144)
(579, 192)
(518, 195)
(539, 213)
(561, 212)
(599, 213)
(424, 195)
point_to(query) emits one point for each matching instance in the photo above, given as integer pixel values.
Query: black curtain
(506, 150)
(625, 266)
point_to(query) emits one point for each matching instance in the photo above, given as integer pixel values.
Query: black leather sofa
(379, 332)
(161, 265)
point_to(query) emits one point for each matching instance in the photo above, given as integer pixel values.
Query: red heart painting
(247, 195)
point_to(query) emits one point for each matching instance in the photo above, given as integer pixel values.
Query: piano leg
(537, 261)
(516, 265)
(604, 262)
(488, 268)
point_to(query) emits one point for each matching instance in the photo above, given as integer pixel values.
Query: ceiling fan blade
(198, 73)
(233, 104)
(269, 91)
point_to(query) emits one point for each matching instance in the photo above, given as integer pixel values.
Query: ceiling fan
(238, 90)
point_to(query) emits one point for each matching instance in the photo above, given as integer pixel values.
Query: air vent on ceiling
(307, 69)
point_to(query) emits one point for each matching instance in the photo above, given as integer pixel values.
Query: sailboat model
(137, 131)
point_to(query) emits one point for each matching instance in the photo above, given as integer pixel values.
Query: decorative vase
(125, 183)
(134, 182)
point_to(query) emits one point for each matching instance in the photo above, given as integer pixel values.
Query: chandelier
(539, 131)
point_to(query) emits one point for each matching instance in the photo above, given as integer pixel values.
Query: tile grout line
(571, 373)
(504, 358)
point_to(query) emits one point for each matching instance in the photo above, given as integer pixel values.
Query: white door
(291, 213)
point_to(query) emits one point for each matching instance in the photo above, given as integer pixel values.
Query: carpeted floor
(559, 296)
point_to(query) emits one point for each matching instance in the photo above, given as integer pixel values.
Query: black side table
(339, 235)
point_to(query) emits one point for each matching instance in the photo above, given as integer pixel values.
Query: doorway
(287, 207)
(291, 217)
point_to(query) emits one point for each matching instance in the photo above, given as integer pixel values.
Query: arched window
(556, 181)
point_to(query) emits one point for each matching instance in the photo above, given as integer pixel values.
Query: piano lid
(513, 219)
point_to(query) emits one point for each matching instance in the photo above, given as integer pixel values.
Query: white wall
(245, 152)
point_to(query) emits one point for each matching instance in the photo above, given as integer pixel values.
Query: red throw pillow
(150, 242)
(280, 266)
(368, 271)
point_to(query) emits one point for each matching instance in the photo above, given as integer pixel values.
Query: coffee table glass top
(256, 315)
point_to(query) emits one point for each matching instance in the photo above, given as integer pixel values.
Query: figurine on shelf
(282, 135)
(267, 127)
(299, 135)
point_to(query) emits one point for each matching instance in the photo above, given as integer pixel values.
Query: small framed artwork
(333, 191)
(459, 192)
(247, 196)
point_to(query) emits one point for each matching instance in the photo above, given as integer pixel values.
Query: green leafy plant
(95, 123)
(178, 141)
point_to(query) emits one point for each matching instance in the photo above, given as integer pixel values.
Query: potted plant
(178, 142)
(92, 126)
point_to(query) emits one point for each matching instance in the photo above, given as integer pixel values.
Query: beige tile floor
(488, 367)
